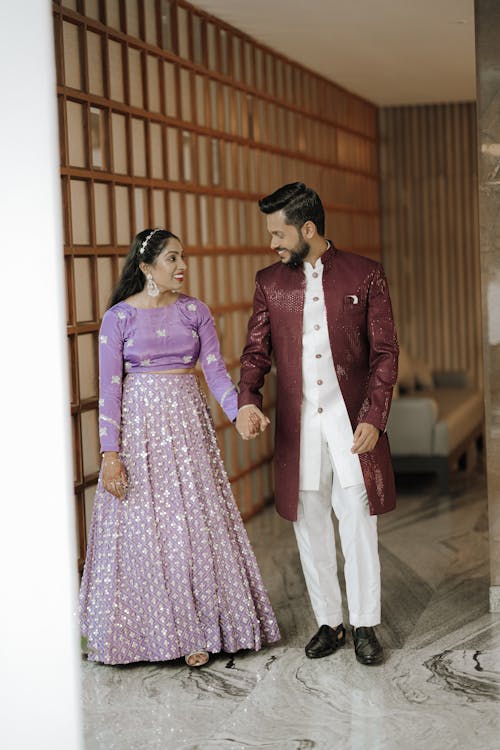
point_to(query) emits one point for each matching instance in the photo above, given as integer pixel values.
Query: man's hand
(250, 422)
(365, 438)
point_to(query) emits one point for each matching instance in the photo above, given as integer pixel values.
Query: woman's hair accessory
(144, 244)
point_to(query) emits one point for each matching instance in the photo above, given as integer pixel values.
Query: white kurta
(323, 408)
(331, 477)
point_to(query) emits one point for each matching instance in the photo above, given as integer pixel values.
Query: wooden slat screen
(169, 117)
(428, 168)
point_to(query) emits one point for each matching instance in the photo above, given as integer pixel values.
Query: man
(326, 315)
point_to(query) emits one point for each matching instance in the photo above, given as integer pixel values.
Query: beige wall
(430, 241)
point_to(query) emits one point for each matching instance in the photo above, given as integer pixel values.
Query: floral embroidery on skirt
(170, 569)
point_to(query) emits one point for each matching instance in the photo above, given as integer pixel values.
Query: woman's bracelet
(111, 460)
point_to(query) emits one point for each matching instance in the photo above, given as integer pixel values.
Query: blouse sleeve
(110, 381)
(213, 365)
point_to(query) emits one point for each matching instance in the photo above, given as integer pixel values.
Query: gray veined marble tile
(339, 704)
(482, 634)
(455, 604)
(147, 706)
(405, 596)
(474, 674)
(437, 690)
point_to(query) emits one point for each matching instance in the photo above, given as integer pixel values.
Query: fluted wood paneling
(430, 231)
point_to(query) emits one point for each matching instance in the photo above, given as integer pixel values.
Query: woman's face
(169, 268)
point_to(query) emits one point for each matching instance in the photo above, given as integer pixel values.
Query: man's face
(286, 240)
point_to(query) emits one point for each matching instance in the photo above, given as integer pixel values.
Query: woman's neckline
(160, 307)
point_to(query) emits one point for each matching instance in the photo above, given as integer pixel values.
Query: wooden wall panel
(169, 117)
(430, 238)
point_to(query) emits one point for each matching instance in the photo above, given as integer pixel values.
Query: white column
(39, 661)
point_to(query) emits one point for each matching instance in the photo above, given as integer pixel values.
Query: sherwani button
(316, 327)
(318, 356)
(315, 299)
(320, 409)
(315, 275)
(319, 382)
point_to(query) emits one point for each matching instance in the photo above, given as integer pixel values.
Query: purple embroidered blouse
(134, 340)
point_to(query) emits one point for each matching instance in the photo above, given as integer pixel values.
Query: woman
(169, 569)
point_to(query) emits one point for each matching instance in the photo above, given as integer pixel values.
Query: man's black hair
(298, 203)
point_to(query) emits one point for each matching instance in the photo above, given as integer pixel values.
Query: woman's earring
(152, 286)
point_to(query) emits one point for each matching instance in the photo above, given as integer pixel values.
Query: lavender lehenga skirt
(170, 570)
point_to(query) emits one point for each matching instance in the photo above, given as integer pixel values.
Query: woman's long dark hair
(131, 280)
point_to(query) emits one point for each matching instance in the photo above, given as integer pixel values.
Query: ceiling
(391, 52)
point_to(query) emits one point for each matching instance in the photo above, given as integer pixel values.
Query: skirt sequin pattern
(170, 569)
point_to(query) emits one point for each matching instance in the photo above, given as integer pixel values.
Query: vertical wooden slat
(448, 249)
(430, 236)
(433, 180)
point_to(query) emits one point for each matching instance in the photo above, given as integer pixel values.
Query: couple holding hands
(170, 571)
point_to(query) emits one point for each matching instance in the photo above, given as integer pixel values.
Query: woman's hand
(114, 476)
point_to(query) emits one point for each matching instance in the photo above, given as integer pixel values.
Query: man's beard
(298, 255)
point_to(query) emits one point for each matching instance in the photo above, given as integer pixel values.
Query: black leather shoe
(368, 649)
(326, 641)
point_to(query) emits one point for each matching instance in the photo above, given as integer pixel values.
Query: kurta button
(315, 275)
(318, 356)
(315, 299)
(319, 382)
(316, 327)
(320, 410)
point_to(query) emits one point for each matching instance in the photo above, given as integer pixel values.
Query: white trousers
(358, 537)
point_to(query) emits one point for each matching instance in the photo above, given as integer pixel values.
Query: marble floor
(438, 688)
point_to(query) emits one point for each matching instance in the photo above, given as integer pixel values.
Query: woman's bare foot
(196, 658)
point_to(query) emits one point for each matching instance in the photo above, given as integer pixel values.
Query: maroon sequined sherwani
(365, 351)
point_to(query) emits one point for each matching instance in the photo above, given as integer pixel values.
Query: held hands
(250, 422)
(114, 476)
(365, 438)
